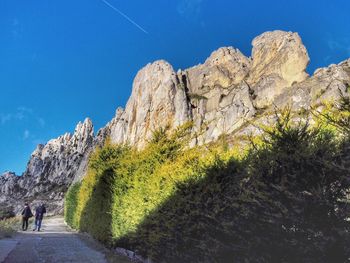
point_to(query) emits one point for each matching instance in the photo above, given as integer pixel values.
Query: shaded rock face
(219, 96)
(50, 171)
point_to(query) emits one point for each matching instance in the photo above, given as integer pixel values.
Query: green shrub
(281, 200)
(95, 196)
(70, 205)
(295, 189)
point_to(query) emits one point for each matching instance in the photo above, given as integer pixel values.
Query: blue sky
(61, 61)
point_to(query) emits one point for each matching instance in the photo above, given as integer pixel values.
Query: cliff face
(156, 101)
(226, 91)
(218, 96)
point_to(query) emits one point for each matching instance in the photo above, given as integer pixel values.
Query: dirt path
(55, 243)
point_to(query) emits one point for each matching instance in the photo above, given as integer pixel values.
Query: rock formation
(226, 91)
(50, 171)
(219, 96)
(156, 101)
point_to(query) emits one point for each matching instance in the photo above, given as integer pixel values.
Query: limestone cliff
(219, 96)
(226, 91)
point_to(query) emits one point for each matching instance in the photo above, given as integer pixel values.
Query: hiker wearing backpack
(26, 214)
(39, 215)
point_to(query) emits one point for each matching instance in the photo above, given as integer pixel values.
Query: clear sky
(64, 60)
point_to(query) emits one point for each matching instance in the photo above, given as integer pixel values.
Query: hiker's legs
(25, 223)
(35, 224)
(39, 224)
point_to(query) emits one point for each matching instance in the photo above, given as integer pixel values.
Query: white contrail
(125, 16)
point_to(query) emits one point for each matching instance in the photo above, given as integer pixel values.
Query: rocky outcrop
(50, 170)
(279, 60)
(327, 84)
(279, 53)
(212, 95)
(222, 94)
(156, 101)
(220, 97)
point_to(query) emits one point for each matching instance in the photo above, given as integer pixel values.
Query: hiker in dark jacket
(39, 215)
(26, 214)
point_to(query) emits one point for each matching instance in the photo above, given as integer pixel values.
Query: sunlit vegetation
(283, 199)
(9, 226)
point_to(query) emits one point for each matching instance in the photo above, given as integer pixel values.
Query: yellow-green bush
(70, 205)
(92, 201)
(280, 201)
(9, 226)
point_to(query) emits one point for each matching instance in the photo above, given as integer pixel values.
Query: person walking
(39, 215)
(26, 214)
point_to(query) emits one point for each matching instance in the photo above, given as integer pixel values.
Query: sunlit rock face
(156, 101)
(279, 53)
(220, 97)
(279, 60)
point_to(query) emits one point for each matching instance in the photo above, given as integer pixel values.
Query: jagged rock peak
(51, 169)
(83, 135)
(156, 101)
(8, 174)
(228, 55)
(220, 93)
(225, 67)
(281, 53)
(85, 127)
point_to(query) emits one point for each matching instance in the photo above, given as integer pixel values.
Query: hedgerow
(283, 200)
(70, 204)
